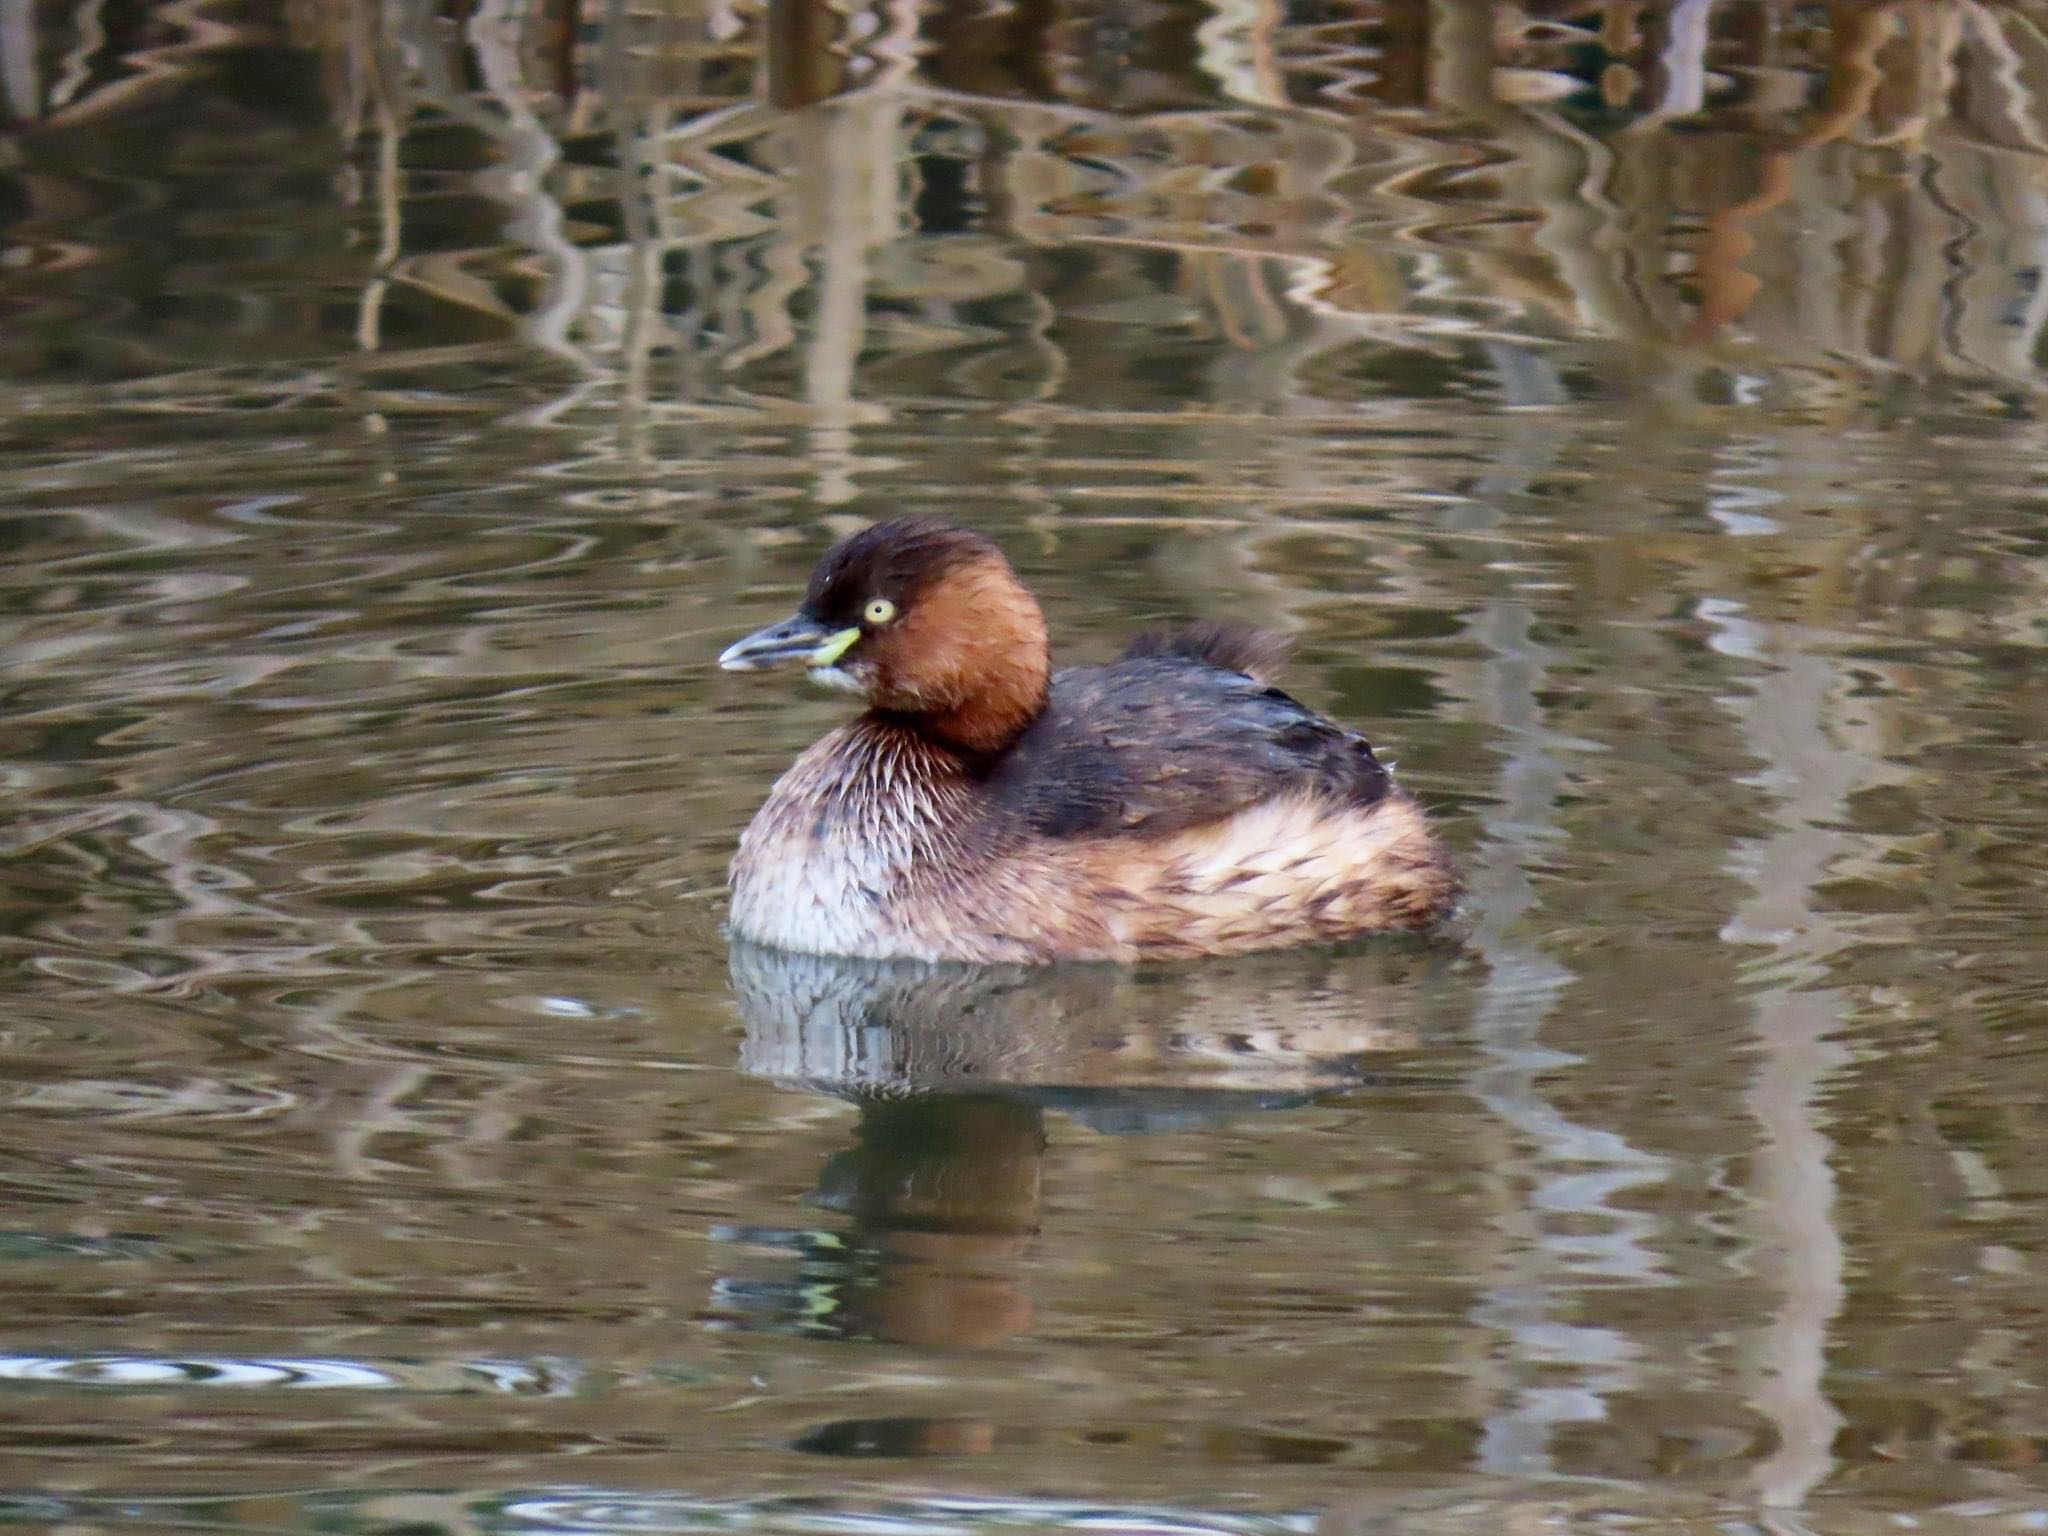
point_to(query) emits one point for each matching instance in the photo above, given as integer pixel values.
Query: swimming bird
(1170, 804)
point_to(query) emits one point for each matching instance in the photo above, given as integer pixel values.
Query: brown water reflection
(1632, 411)
(841, 207)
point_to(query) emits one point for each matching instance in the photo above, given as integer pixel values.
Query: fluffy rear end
(1276, 874)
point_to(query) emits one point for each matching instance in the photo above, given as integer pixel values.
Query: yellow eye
(879, 610)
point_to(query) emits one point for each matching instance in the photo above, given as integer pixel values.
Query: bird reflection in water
(954, 1069)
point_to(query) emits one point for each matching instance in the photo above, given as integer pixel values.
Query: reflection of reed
(1568, 1231)
(1390, 205)
(915, 202)
(1785, 716)
(1430, 169)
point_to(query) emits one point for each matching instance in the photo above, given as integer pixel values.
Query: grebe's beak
(797, 639)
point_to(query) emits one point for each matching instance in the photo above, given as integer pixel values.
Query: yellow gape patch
(834, 647)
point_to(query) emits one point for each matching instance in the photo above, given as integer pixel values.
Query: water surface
(1633, 415)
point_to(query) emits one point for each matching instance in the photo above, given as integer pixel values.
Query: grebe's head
(922, 620)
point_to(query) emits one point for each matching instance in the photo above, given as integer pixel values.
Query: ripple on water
(1633, 415)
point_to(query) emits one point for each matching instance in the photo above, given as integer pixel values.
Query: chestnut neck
(981, 665)
(984, 726)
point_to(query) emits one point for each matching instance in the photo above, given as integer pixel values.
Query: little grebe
(1170, 804)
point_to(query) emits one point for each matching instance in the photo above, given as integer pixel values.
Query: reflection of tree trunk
(18, 81)
(803, 68)
(1597, 239)
(1401, 78)
(530, 152)
(1794, 1193)
(1784, 717)
(637, 137)
(390, 226)
(1726, 287)
(1461, 55)
(1938, 264)
(846, 204)
(993, 50)
(562, 47)
(1559, 1371)
(1682, 58)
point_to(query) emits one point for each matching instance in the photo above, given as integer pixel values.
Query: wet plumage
(1172, 803)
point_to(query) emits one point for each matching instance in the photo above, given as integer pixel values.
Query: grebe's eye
(879, 610)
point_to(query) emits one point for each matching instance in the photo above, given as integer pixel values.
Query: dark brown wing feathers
(1166, 739)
